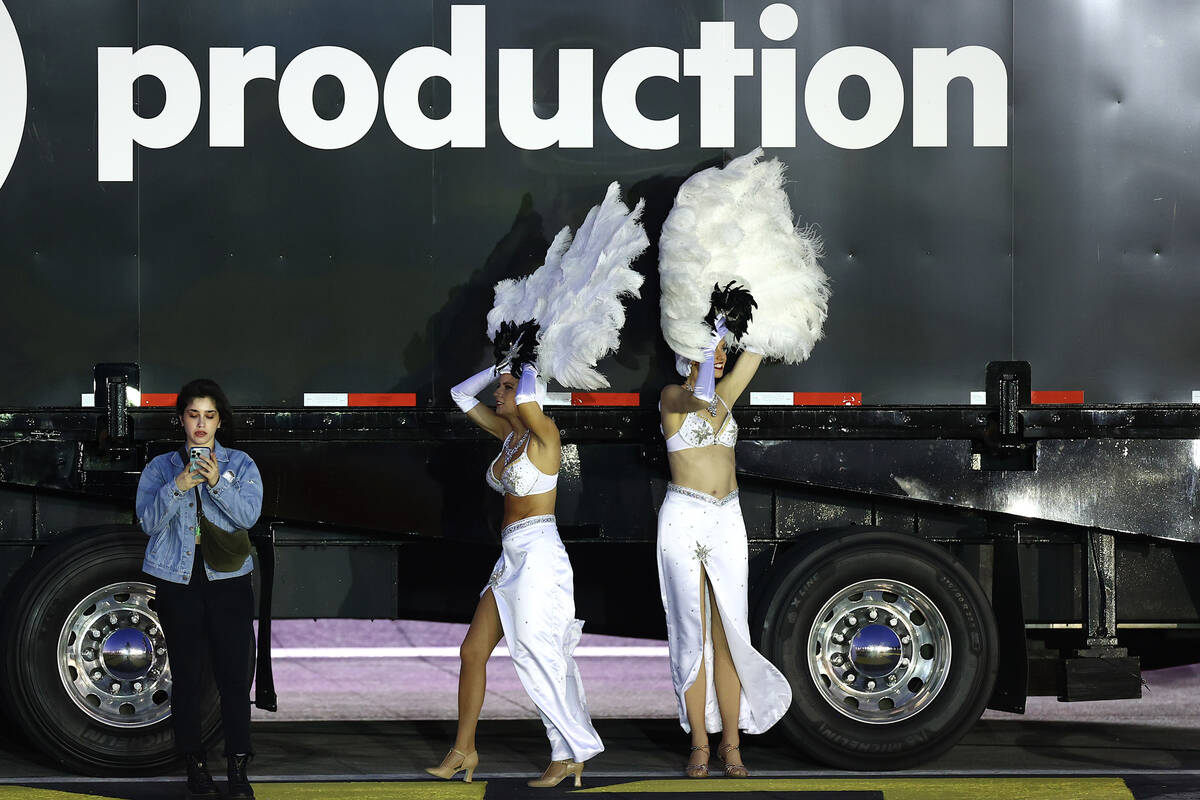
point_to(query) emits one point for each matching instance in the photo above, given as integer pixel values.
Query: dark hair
(205, 387)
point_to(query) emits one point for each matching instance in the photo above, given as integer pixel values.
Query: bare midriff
(705, 469)
(534, 505)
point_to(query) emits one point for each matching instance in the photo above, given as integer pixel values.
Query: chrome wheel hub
(875, 650)
(112, 657)
(879, 651)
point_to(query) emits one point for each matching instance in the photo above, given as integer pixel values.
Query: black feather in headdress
(516, 344)
(736, 304)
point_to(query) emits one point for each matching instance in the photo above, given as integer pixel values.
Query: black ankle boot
(239, 784)
(199, 781)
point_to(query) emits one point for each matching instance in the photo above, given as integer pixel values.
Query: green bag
(224, 551)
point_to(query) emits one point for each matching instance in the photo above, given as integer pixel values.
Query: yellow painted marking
(897, 788)
(369, 790)
(33, 793)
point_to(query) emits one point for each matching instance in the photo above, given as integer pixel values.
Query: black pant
(209, 622)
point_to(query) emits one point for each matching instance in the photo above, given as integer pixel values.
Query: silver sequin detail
(698, 433)
(707, 498)
(702, 553)
(518, 481)
(528, 522)
(497, 575)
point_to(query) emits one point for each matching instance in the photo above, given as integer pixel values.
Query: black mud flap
(264, 678)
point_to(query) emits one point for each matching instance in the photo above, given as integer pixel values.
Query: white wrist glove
(706, 378)
(531, 388)
(463, 395)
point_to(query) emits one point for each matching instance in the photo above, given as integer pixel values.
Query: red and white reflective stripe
(592, 398)
(361, 399)
(158, 400)
(610, 399)
(806, 398)
(1056, 396)
(1045, 397)
(397, 399)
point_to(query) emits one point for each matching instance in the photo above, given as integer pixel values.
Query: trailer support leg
(1100, 560)
(1102, 670)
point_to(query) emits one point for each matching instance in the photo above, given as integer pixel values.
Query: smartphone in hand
(195, 454)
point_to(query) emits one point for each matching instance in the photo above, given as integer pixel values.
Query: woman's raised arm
(464, 397)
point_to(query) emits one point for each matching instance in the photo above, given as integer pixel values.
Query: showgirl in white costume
(735, 271)
(554, 324)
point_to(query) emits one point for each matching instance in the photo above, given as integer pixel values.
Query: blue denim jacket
(169, 515)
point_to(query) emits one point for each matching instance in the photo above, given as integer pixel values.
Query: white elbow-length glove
(706, 378)
(531, 388)
(464, 393)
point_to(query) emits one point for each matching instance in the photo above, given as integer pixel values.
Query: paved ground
(363, 726)
(998, 760)
(419, 686)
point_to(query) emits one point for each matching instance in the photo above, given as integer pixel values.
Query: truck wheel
(889, 646)
(86, 659)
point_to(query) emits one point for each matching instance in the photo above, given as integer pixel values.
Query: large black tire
(933, 666)
(82, 583)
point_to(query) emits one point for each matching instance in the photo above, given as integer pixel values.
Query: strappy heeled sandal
(697, 770)
(451, 767)
(732, 770)
(557, 772)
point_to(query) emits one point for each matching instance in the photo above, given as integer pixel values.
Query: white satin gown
(534, 588)
(700, 533)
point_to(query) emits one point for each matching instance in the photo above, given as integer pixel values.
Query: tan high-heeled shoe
(557, 772)
(451, 766)
(732, 770)
(697, 770)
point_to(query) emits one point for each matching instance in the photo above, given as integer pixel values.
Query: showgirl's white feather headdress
(735, 224)
(575, 296)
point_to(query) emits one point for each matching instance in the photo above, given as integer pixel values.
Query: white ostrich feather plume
(575, 296)
(736, 224)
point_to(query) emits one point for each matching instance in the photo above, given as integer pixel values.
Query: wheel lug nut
(872, 615)
(89, 654)
(849, 677)
(906, 639)
(94, 633)
(112, 619)
(892, 622)
(137, 687)
(837, 637)
(116, 687)
(162, 651)
(97, 675)
(135, 618)
(836, 659)
(851, 620)
(870, 686)
(903, 663)
(152, 630)
(891, 679)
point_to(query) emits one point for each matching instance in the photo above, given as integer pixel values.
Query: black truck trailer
(981, 487)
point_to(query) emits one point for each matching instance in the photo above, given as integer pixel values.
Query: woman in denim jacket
(206, 615)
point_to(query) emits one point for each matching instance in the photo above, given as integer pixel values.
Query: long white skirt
(534, 589)
(696, 531)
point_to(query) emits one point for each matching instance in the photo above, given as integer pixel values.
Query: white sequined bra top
(520, 478)
(696, 432)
